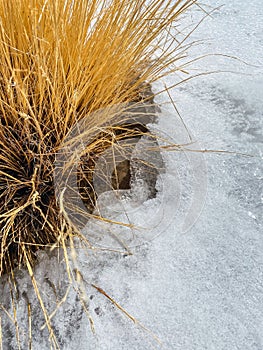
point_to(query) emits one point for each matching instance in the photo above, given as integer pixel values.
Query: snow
(196, 281)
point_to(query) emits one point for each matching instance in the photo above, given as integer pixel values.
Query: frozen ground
(203, 288)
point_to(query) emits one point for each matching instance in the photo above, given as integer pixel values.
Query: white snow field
(197, 286)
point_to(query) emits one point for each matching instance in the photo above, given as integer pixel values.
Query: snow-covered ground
(200, 288)
(203, 289)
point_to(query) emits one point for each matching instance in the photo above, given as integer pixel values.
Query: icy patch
(139, 215)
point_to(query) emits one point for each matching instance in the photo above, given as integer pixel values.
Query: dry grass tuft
(61, 60)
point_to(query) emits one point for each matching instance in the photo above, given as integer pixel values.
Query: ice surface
(201, 289)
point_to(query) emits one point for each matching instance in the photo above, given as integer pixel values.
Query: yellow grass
(61, 60)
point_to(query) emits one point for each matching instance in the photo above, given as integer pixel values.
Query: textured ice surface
(202, 289)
